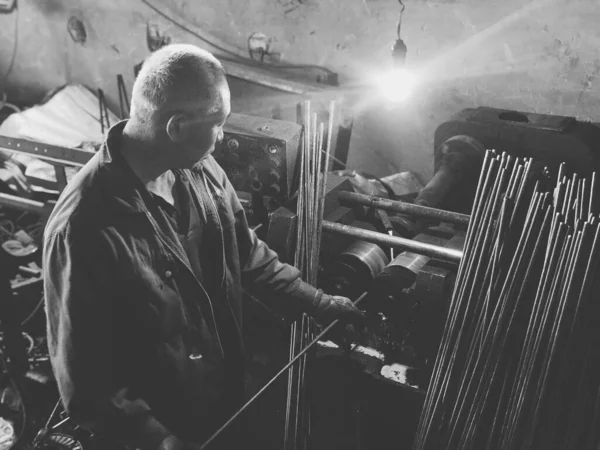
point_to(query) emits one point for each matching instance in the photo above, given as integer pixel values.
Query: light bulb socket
(399, 51)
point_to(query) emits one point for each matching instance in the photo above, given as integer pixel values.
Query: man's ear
(176, 128)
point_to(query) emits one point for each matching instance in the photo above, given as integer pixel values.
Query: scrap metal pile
(41, 148)
(517, 365)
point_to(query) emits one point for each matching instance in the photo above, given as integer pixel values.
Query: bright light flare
(396, 85)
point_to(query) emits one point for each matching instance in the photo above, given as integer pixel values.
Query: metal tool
(270, 382)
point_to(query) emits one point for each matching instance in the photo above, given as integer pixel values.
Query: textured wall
(540, 56)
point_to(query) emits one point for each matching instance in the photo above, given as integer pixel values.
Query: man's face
(204, 131)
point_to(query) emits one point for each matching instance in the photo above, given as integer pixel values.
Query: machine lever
(387, 224)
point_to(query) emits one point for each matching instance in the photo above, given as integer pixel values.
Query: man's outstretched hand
(335, 307)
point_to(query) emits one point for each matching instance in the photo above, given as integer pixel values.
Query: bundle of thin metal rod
(310, 205)
(517, 366)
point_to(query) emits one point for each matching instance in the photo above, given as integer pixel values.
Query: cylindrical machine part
(402, 272)
(434, 251)
(356, 267)
(371, 256)
(404, 268)
(458, 158)
(351, 198)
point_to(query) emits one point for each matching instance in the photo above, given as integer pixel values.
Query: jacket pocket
(196, 377)
(157, 305)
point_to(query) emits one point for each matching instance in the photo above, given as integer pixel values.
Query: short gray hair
(173, 74)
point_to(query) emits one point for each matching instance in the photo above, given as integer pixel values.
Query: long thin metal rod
(464, 272)
(423, 248)
(323, 187)
(352, 198)
(20, 203)
(277, 375)
(288, 406)
(302, 262)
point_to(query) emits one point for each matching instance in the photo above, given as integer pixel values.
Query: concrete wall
(541, 56)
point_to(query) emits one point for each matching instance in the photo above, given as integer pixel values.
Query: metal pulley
(355, 268)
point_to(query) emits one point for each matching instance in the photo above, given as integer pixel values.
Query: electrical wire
(27, 337)
(30, 340)
(238, 57)
(399, 25)
(188, 30)
(7, 229)
(5, 104)
(22, 216)
(14, 51)
(33, 312)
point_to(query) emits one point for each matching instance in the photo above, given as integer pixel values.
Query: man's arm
(264, 276)
(81, 311)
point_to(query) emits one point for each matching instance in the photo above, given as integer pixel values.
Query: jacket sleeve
(263, 275)
(81, 311)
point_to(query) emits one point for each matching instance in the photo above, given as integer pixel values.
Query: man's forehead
(219, 109)
(218, 116)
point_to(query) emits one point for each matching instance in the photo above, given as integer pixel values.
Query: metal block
(281, 236)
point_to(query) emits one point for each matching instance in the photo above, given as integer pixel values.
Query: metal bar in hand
(352, 198)
(423, 248)
(281, 372)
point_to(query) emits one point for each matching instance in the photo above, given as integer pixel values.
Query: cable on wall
(331, 75)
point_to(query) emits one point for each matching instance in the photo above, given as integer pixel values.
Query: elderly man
(145, 258)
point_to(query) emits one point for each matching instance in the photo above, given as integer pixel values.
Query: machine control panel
(259, 155)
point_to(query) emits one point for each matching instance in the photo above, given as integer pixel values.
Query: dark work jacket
(137, 346)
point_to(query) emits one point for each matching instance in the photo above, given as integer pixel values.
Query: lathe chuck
(355, 268)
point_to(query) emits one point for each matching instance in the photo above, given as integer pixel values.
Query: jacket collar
(125, 191)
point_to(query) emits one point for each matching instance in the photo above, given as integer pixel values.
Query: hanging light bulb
(399, 49)
(397, 84)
